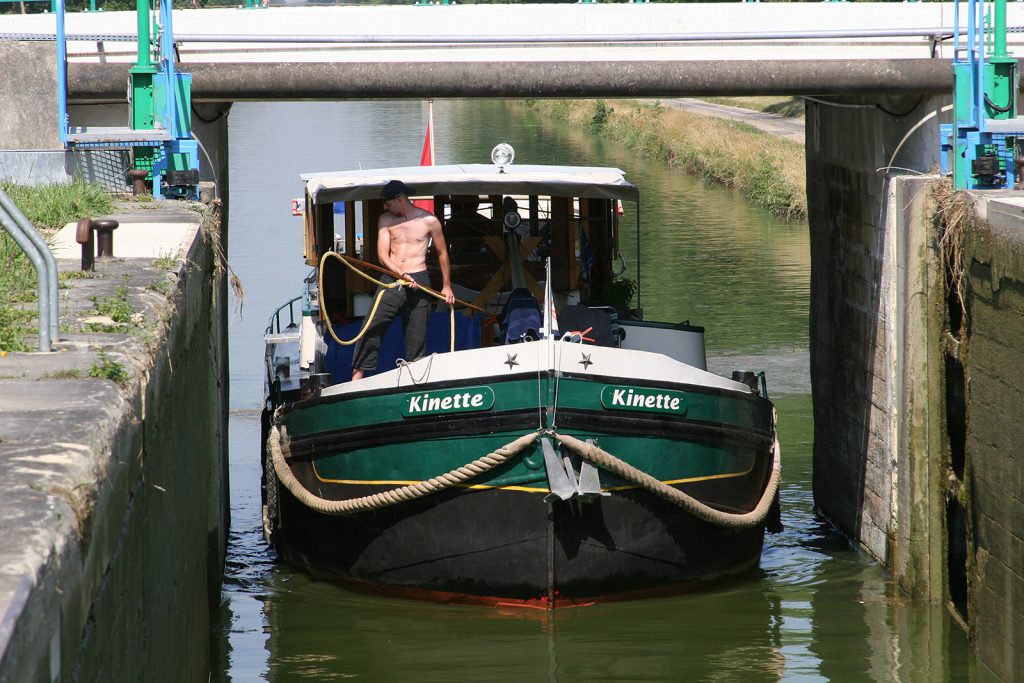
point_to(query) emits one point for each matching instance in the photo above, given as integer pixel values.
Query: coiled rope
(351, 262)
(491, 460)
(399, 495)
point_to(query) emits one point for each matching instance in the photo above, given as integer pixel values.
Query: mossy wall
(919, 425)
(870, 283)
(994, 437)
(150, 613)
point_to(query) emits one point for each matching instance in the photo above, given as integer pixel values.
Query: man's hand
(412, 282)
(449, 296)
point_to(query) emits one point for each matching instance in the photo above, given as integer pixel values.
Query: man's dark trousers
(413, 305)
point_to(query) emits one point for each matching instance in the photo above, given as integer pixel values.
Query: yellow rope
(399, 282)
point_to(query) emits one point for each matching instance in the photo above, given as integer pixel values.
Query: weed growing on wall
(115, 307)
(954, 214)
(106, 367)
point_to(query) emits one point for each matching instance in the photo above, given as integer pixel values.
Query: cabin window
(578, 234)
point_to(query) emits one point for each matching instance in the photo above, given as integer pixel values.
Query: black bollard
(105, 228)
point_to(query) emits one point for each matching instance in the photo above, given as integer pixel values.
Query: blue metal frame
(975, 135)
(174, 87)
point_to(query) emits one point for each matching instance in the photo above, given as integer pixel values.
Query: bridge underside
(219, 82)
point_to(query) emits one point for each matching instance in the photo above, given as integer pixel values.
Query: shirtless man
(403, 233)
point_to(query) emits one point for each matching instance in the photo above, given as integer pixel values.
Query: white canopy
(481, 179)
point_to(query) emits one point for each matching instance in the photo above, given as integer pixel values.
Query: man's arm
(384, 247)
(442, 259)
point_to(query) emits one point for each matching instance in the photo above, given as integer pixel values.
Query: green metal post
(142, 15)
(999, 45)
(141, 76)
(963, 102)
(1000, 71)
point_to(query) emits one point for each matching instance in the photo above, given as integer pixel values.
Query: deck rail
(274, 325)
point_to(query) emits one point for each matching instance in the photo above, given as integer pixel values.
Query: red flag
(427, 157)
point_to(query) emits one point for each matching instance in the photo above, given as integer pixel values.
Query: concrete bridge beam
(426, 80)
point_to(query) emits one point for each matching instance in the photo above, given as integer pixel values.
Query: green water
(815, 610)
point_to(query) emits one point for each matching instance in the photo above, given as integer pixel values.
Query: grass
(106, 367)
(71, 373)
(770, 172)
(167, 260)
(115, 307)
(48, 208)
(790, 107)
(160, 287)
(14, 326)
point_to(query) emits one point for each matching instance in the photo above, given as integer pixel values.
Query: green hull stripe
(663, 459)
(522, 394)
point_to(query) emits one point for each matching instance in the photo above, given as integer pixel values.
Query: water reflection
(382, 639)
(814, 610)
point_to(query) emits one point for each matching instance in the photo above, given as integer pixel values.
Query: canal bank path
(781, 126)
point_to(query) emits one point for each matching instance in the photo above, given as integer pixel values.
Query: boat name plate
(462, 400)
(643, 399)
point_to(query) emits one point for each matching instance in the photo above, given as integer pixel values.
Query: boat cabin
(500, 226)
(506, 228)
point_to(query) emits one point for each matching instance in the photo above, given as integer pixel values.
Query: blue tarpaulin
(338, 362)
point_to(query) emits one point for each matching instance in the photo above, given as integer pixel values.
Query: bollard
(83, 235)
(105, 228)
(138, 177)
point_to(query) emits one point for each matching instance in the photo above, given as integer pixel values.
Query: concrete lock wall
(30, 148)
(917, 451)
(859, 250)
(125, 592)
(992, 470)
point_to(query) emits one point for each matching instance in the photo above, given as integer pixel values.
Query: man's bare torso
(409, 240)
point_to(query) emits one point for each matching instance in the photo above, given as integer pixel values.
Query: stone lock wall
(122, 584)
(993, 467)
(860, 249)
(919, 436)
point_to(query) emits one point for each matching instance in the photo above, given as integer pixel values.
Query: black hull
(498, 545)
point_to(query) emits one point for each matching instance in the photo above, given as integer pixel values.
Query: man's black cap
(395, 188)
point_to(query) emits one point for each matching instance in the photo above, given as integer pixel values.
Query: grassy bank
(768, 171)
(790, 107)
(48, 207)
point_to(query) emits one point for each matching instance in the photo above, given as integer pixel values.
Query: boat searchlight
(502, 155)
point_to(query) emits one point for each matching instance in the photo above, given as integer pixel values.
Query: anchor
(563, 480)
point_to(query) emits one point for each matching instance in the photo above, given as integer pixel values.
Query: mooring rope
(399, 495)
(488, 462)
(698, 509)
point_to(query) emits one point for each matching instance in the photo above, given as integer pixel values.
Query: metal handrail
(32, 243)
(274, 326)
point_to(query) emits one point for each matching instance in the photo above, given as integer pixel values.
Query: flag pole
(430, 127)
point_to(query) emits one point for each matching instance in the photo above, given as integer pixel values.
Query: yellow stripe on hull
(528, 489)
